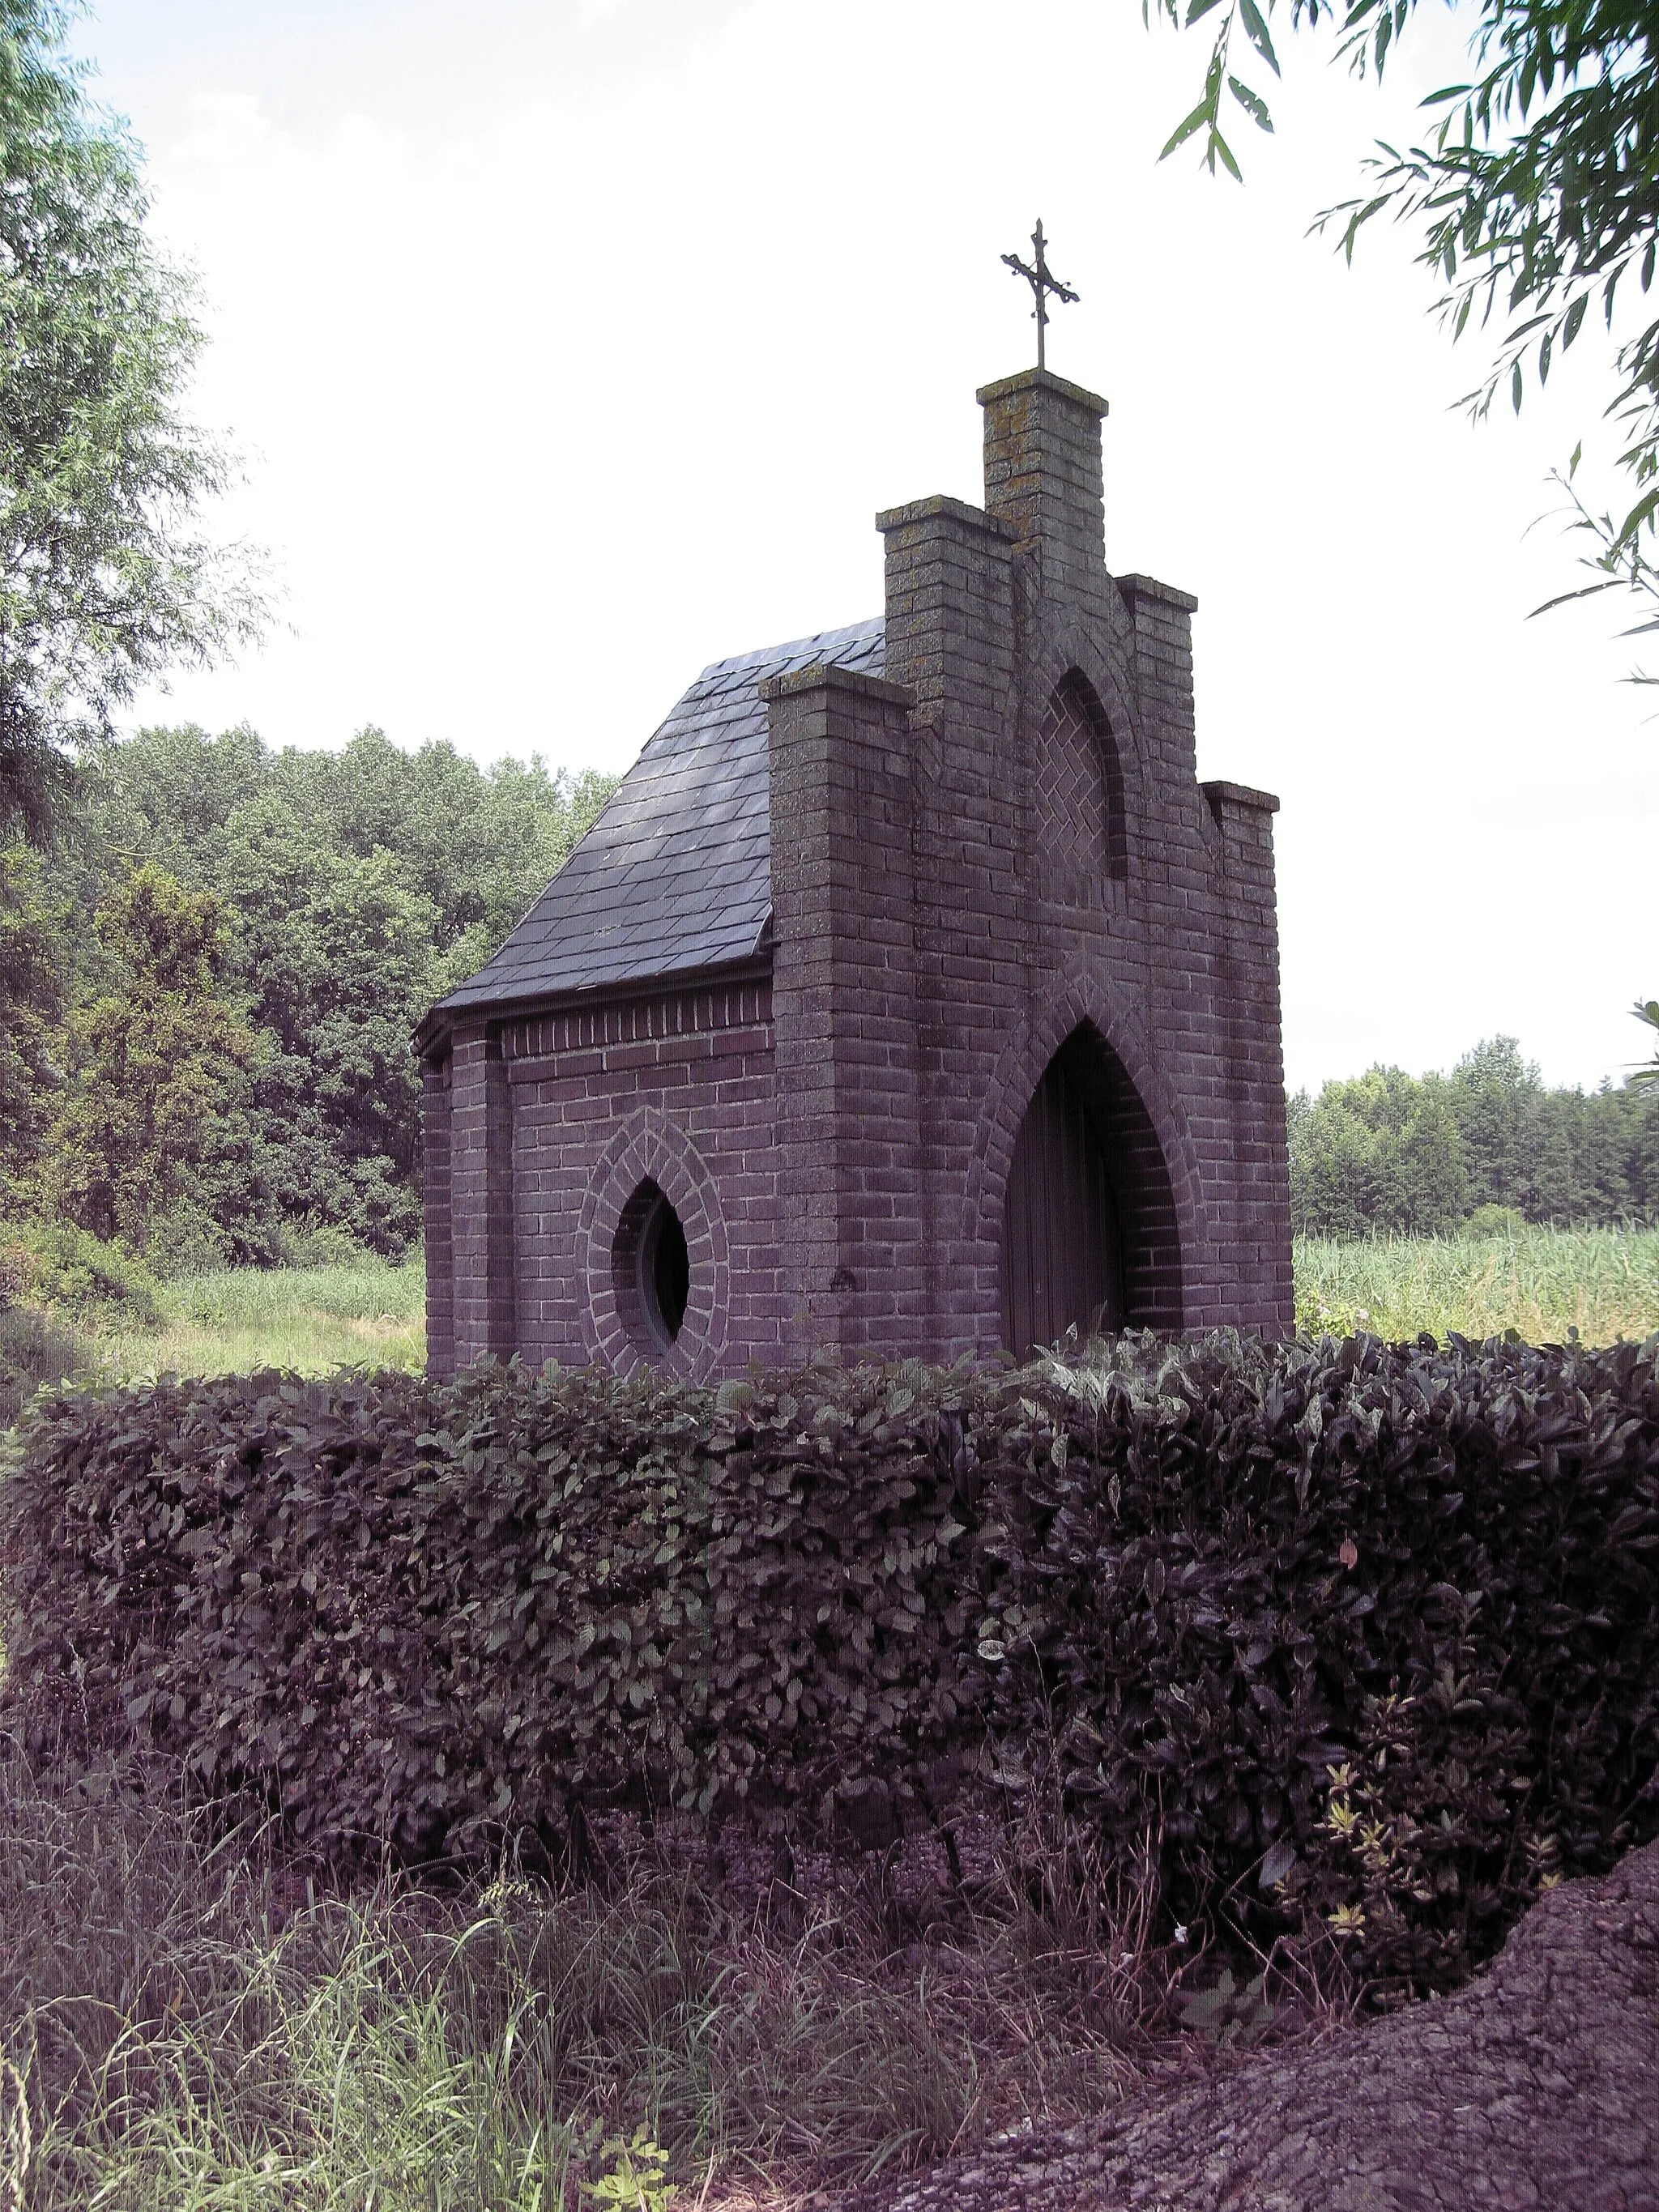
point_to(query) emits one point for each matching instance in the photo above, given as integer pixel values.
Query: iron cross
(1042, 280)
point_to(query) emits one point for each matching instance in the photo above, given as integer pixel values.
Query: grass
(311, 1319)
(193, 2024)
(1543, 1283)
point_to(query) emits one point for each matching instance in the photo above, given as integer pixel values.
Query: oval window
(652, 1270)
(664, 1271)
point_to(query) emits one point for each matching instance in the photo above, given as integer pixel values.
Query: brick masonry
(1000, 842)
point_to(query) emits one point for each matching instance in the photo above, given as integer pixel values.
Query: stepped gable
(675, 876)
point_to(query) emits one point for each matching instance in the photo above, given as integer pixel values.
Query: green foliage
(1348, 1635)
(1490, 1220)
(1388, 1153)
(342, 894)
(196, 2025)
(1382, 1153)
(102, 578)
(1650, 1014)
(158, 1064)
(35, 1350)
(54, 1264)
(1536, 191)
(637, 2178)
(34, 965)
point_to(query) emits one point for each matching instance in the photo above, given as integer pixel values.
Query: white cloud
(561, 380)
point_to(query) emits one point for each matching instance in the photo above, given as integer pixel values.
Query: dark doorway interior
(1090, 1236)
(1063, 1251)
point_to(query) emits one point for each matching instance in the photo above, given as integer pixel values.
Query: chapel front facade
(910, 997)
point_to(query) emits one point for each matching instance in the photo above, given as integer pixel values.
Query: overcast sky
(572, 345)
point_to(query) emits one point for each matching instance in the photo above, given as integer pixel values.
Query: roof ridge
(790, 646)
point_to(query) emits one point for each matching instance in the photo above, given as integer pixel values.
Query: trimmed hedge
(1355, 1634)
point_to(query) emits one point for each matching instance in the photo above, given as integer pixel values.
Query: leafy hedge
(1353, 1634)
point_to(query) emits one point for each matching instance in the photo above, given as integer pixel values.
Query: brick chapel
(910, 996)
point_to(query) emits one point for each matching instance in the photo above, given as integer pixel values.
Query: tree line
(208, 985)
(1390, 1153)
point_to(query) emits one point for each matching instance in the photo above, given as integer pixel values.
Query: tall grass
(196, 2025)
(1543, 1283)
(311, 1319)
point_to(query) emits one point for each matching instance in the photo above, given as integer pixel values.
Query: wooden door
(1062, 1257)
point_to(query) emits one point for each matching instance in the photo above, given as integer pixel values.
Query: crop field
(1542, 1283)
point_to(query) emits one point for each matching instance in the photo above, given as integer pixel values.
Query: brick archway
(651, 1148)
(1145, 1132)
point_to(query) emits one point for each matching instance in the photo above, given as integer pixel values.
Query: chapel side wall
(679, 1085)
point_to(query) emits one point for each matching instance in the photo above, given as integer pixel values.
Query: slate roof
(675, 876)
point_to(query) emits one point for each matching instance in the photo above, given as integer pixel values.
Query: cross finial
(1042, 280)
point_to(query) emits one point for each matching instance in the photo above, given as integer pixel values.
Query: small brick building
(911, 995)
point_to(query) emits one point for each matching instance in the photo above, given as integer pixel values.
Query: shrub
(34, 1350)
(1495, 1221)
(1352, 1636)
(54, 1264)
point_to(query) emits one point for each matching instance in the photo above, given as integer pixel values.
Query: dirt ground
(1534, 2089)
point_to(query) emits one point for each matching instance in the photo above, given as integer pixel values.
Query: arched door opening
(1089, 1237)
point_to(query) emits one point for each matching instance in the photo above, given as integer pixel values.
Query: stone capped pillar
(481, 1197)
(844, 1005)
(1043, 479)
(435, 1208)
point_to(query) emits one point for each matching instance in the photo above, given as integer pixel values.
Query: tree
(159, 1063)
(351, 889)
(1382, 1153)
(104, 576)
(1389, 1152)
(34, 975)
(1537, 190)
(1536, 187)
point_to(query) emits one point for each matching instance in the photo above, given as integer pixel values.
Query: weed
(199, 2024)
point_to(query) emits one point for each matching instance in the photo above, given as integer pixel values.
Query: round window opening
(652, 1269)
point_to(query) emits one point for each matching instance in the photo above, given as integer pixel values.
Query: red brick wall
(676, 1087)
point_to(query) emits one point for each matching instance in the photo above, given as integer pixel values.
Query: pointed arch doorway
(1090, 1236)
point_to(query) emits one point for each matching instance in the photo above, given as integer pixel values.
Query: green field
(362, 1312)
(1542, 1283)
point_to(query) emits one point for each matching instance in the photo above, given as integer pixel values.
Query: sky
(568, 345)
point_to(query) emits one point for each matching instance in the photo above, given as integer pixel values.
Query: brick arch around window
(1098, 670)
(652, 1149)
(1151, 1157)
